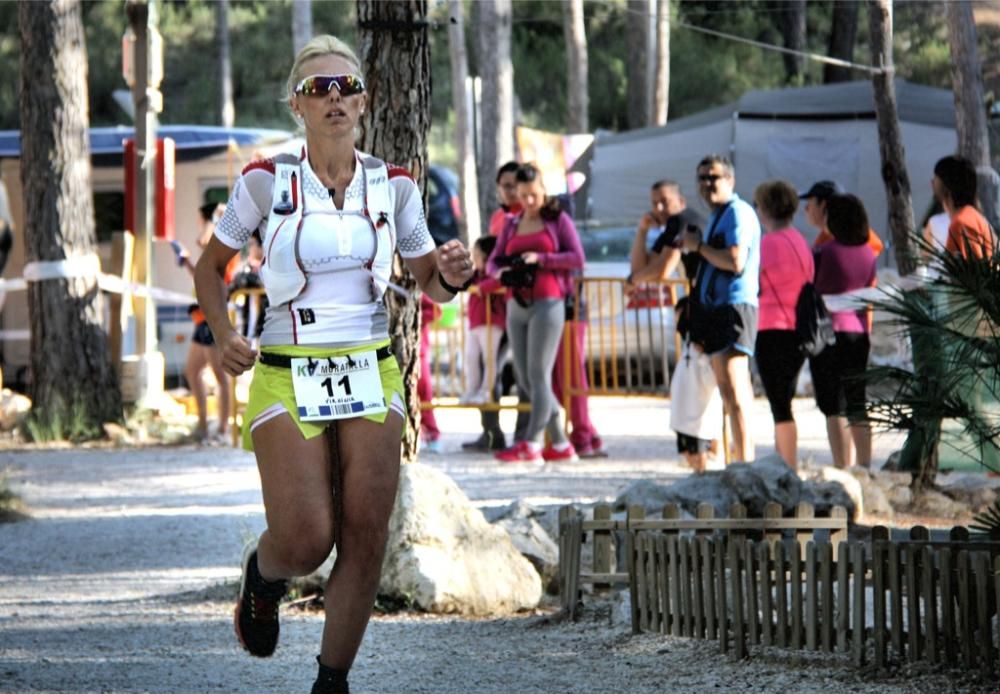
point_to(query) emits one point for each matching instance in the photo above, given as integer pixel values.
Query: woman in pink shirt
(786, 265)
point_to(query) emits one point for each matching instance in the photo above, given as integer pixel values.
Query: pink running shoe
(567, 455)
(520, 452)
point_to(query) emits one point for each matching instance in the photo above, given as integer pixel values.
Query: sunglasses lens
(321, 85)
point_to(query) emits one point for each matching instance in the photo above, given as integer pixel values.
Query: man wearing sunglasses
(725, 310)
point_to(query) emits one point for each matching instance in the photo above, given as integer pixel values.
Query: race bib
(337, 387)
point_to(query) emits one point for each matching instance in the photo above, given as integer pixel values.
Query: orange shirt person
(815, 209)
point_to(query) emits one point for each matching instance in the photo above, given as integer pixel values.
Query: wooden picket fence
(934, 601)
(574, 531)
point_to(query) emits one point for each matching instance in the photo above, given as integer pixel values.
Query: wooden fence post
(912, 571)
(772, 511)
(708, 586)
(753, 620)
(633, 513)
(895, 599)
(663, 582)
(843, 599)
(719, 545)
(812, 597)
(930, 605)
(880, 536)
(795, 568)
(965, 610)
(804, 511)
(736, 587)
(981, 567)
(826, 595)
(603, 551)
(673, 558)
(858, 569)
(767, 613)
(947, 571)
(781, 593)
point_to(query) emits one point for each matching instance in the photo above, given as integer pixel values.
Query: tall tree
(464, 144)
(970, 105)
(843, 35)
(637, 65)
(226, 109)
(73, 386)
(395, 58)
(496, 71)
(890, 142)
(302, 24)
(578, 101)
(661, 68)
(793, 29)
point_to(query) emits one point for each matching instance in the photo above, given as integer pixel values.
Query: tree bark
(793, 28)
(970, 109)
(843, 35)
(661, 69)
(227, 111)
(894, 175)
(578, 101)
(302, 24)
(395, 58)
(469, 225)
(73, 388)
(497, 102)
(637, 65)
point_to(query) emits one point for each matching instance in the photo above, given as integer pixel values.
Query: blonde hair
(323, 44)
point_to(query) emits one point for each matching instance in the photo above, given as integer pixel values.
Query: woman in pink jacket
(786, 265)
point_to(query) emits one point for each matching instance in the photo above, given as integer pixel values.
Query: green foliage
(62, 422)
(954, 329)
(705, 71)
(987, 522)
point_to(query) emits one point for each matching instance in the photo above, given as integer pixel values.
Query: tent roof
(915, 103)
(190, 138)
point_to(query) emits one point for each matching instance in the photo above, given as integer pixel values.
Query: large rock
(783, 486)
(825, 495)
(937, 505)
(531, 540)
(975, 491)
(445, 557)
(14, 409)
(874, 498)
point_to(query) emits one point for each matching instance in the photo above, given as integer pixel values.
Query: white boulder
(444, 556)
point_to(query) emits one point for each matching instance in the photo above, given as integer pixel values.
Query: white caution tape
(79, 266)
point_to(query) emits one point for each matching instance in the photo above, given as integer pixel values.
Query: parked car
(631, 338)
(444, 209)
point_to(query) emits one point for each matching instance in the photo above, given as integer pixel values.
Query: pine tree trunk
(661, 75)
(970, 105)
(302, 24)
(577, 101)
(637, 65)
(226, 109)
(793, 27)
(395, 59)
(497, 102)
(469, 226)
(73, 386)
(843, 35)
(897, 181)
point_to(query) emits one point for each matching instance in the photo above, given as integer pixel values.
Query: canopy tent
(802, 135)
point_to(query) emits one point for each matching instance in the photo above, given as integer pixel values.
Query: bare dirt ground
(122, 581)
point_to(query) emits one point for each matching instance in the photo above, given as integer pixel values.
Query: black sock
(330, 680)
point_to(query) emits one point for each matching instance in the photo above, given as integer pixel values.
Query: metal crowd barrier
(628, 341)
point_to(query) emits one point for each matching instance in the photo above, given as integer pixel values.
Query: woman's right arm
(237, 354)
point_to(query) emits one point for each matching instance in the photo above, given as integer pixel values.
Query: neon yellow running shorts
(272, 385)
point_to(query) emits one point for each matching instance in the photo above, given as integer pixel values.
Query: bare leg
(197, 359)
(732, 373)
(369, 454)
(786, 440)
(697, 461)
(298, 504)
(861, 435)
(223, 396)
(840, 441)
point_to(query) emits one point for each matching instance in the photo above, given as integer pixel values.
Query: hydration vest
(281, 271)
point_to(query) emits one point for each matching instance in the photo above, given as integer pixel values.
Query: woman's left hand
(530, 257)
(454, 263)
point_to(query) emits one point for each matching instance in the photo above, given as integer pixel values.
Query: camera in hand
(520, 274)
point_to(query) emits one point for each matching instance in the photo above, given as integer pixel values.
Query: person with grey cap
(815, 208)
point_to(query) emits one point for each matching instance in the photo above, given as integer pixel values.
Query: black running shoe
(256, 618)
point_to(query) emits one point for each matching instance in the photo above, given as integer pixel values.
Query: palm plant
(953, 323)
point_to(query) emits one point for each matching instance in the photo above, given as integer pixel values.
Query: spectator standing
(667, 218)
(844, 264)
(969, 232)
(492, 438)
(430, 433)
(728, 284)
(482, 339)
(786, 265)
(544, 241)
(816, 198)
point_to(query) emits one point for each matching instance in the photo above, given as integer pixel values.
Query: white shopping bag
(695, 403)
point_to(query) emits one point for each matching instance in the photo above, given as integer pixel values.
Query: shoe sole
(248, 551)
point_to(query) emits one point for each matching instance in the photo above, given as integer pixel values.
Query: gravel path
(123, 578)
